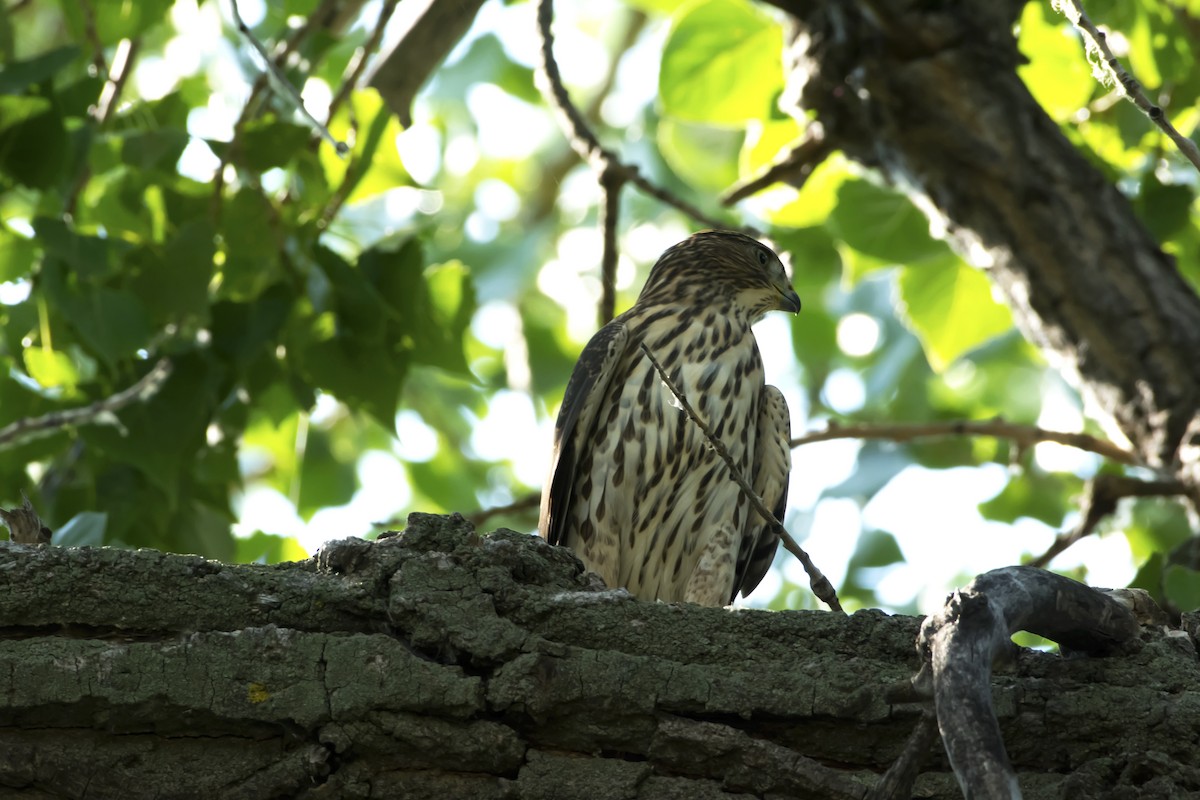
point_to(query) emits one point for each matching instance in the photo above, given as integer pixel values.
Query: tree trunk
(928, 93)
(443, 664)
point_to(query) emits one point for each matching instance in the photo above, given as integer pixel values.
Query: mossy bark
(440, 663)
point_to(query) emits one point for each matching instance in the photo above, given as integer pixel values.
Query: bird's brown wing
(581, 404)
(772, 465)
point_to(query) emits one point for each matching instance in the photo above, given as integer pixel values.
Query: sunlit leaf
(722, 63)
(51, 368)
(950, 308)
(704, 156)
(1057, 74)
(268, 548)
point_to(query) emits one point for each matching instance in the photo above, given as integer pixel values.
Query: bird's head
(722, 267)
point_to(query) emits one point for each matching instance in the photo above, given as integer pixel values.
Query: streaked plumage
(634, 488)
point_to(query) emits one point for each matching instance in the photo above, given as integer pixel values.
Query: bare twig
(284, 85)
(122, 67)
(793, 168)
(821, 586)
(358, 63)
(1109, 69)
(546, 193)
(610, 211)
(1100, 499)
(519, 506)
(101, 412)
(93, 37)
(1025, 436)
(584, 141)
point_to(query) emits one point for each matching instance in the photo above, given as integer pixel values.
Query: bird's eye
(762, 258)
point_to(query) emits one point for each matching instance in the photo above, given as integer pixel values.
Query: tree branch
(793, 168)
(1101, 497)
(584, 141)
(960, 643)
(102, 412)
(1108, 70)
(358, 63)
(1025, 436)
(821, 586)
(283, 85)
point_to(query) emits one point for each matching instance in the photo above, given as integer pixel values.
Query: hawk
(635, 489)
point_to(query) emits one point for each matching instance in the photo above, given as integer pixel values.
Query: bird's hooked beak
(789, 300)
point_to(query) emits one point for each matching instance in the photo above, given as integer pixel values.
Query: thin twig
(610, 211)
(122, 67)
(358, 63)
(821, 586)
(527, 503)
(99, 412)
(584, 141)
(1025, 436)
(1101, 497)
(793, 168)
(93, 37)
(1110, 69)
(284, 85)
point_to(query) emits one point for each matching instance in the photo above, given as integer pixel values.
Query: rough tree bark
(929, 94)
(443, 664)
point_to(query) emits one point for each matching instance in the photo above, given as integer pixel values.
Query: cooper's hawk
(635, 489)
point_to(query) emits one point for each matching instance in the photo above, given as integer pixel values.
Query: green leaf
(702, 155)
(120, 19)
(1156, 526)
(250, 245)
(883, 225)
(33, 141)
(722, 63)
(89, 257)
(875, 549)
(950, 308)
(157, 149)
(174, 283)
(268, 548)
(17, 75)
(1182, 586)
(367, 378)
(162, 434)
(1163, 208)
(241, 332)
(1057, 74)
(51, 368)
(17, 255)
(1034, 494)
(85, 529)
(374, 166)
(327, 477)
(269, 142)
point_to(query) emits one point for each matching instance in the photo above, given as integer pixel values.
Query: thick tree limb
(960, 643)
(406, 66)
(929, 94)
(438, 663)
